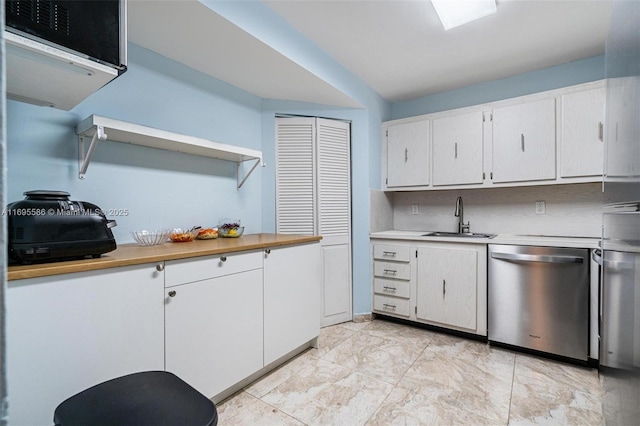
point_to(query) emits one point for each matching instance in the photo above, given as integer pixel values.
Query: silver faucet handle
(466, 227)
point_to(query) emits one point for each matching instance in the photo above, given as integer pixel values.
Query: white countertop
(523, 240)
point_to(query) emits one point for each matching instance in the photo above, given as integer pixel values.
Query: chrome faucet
(459, 213)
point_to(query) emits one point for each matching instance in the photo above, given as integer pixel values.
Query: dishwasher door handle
(537, 258)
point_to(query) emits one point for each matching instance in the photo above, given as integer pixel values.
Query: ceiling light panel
(454, 13)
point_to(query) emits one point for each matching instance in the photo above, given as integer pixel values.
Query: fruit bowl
(231, 232)
(207, 234)
(151, 238)
(180, 235)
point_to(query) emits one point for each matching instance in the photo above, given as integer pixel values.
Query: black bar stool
(147, 398)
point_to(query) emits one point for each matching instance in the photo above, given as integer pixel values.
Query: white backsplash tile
(571, 210)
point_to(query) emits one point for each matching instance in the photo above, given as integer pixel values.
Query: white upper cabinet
(524, 142)
(408, 154)
(458, 149)
(582, 133)
(546, 138)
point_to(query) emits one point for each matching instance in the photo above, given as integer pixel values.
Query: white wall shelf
(101, 128)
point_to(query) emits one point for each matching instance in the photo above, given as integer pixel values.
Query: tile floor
(383, 373)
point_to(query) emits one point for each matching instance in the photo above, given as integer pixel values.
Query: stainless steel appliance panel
(619, 300)
(539, 298)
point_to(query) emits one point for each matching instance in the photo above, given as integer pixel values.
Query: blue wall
(158, 188)
(577, 72)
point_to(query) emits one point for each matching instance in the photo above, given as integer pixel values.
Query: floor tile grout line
(277, 409)
(513, 380)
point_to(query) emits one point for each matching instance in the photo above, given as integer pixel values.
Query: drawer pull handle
(172, 293)
(444, 287)
(160, 267)
(223, 258)
(387, 306)
(268, 251)
(390, 271)
(387, 288)
(388, 253)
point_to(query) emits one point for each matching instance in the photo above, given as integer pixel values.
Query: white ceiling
(397, 47)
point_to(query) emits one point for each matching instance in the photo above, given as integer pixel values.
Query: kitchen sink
(458, 234)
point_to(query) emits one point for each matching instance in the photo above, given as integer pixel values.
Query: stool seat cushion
(147, 398)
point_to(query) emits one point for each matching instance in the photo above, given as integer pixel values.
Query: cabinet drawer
(201, 268)
(392, 287)
(392, 305)
(400, 271)
(391, 252)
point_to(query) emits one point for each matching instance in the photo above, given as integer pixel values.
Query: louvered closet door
(334, 217)
(295, 181)
(334, 189)
(314, 197)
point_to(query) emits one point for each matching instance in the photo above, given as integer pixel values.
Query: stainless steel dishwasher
(539, 298)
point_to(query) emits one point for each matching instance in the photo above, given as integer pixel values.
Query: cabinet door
(447, 280)
(623, 149)
(524, 142)
(66, 333)
(336, 272)
(292, 281)
(213, 331)
(408, 154)
(457, 149)
(582, 133)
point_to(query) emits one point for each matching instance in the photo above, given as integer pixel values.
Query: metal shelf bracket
(240, 169)
(84, 157)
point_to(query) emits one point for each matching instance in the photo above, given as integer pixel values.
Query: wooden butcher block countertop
(133, 254)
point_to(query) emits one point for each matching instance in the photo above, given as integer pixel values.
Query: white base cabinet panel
(440, 284)
(215, 321)
(69, 332)
(446, 286)
(292, 284)
(213, 330)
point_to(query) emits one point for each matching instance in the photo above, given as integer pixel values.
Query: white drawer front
(399, 271)
(183, 271)
(392, 287)
(391, 305)
(391, 252)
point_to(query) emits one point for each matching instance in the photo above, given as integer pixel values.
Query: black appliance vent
(43, 12)
(16, 233)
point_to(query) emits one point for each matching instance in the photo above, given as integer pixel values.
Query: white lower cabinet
(214, 321)
(441, 284)
(214, 330)
(292, 285)
(392, 280)
(68, 332)
(451, 286)
(447, 283)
